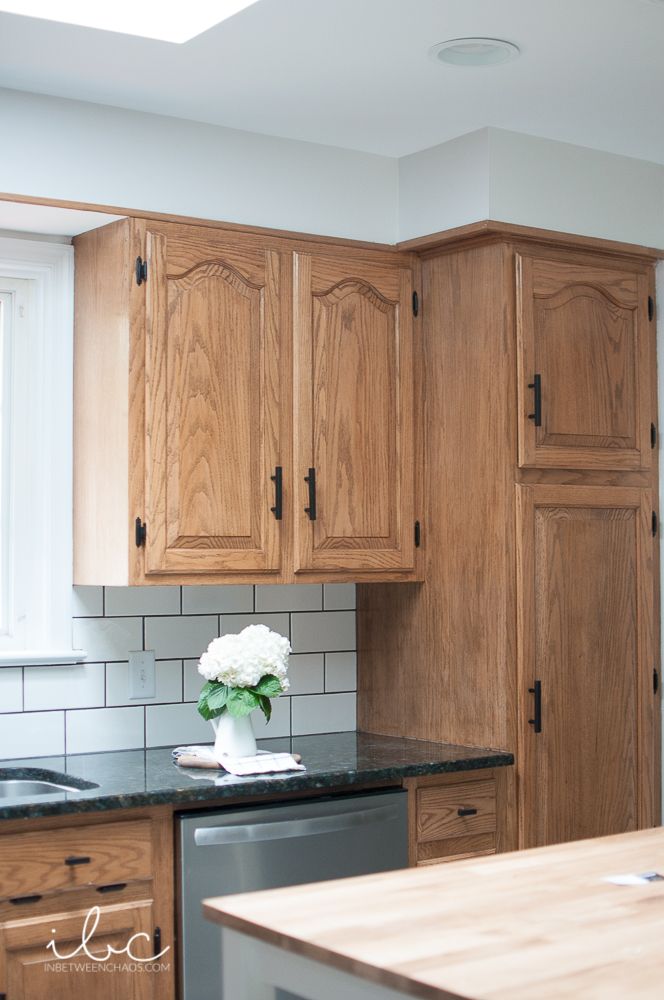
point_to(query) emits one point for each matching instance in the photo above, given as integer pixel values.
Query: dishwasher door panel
(265, 847)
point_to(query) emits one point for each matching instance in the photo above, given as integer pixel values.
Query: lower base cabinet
(86, 910)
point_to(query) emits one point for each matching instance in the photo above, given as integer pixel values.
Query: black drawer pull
(113, 887)
(20, 900)
(73, 860)
(466, 812)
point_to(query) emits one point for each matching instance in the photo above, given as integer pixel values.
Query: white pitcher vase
(233, 737)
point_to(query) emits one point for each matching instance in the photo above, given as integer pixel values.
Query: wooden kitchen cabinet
(586, 653)
(585, 359)
(186, 378)
(543, 574)
(353, 422)
(53, 873)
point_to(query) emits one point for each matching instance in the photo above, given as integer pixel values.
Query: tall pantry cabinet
(536, 629)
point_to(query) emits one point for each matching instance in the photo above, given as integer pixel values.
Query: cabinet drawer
(457, 810)
(70, 857)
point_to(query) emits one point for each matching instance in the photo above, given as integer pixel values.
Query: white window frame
(41, 457)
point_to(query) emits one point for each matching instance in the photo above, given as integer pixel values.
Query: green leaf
(265, 706)
(203, 705)
(218, 697)
(241, 701)
(270, 686)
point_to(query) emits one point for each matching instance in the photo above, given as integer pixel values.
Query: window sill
(41, 657)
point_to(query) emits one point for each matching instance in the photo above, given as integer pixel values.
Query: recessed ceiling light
(474, 51)
(167, 22)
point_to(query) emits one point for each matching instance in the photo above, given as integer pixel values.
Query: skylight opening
(148, 19)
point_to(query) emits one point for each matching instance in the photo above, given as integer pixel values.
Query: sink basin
(10, 788)
(33, 782)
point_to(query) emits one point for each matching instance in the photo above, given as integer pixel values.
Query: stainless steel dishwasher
(268, 846)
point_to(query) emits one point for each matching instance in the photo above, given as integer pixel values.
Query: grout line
(103, 602)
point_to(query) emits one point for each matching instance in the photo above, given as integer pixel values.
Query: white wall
(445, 186)
(554, 185)
(76, 151)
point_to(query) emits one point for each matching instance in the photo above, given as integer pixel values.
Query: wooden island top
(539, 923)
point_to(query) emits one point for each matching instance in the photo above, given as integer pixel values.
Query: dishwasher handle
(212, 836)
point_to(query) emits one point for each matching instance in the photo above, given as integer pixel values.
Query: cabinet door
(354, 415)
(30, 969)
(586, 651)
(584, 351)
(213, 403)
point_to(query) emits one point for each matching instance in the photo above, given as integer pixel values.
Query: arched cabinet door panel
(584, 365)
(212, 404)
(353, 422)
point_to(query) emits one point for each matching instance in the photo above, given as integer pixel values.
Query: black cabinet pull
(278, 480)
(466, 812)
(156, 941)
(20, 900)
(113, 887)
(536, 385)
(73, 860)
(311, 480)
(536, 722)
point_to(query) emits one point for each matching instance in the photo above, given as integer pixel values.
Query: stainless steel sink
(33, 782)
(10, 788)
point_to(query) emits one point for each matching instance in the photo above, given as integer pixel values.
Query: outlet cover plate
(142, 680)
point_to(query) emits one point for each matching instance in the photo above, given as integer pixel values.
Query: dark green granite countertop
(131, 778)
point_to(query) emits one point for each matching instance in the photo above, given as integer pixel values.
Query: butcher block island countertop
(539, 923)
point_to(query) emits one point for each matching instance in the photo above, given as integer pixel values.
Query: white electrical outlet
(142, 679)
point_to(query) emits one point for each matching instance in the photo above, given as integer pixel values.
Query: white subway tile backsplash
(78, 686)
(168, 686)
(173, 725)
(279, 724)
(100, 729)
(142, 600)
(306, 673)
(339, 596)
(323, 713)
(32, 734)
(88, 602)
(217, 600)
(315, 632)
(287, 597)
(340, 671)
(235, 623)
(108, 638)
(11, 689)
(181, 636)
(193, 682)
(88, 704)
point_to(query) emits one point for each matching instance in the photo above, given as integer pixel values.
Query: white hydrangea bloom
(242, 660)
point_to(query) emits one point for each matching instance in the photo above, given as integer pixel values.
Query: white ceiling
(355, 73)
(44, 220)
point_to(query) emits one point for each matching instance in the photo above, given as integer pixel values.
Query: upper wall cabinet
(584, 365)
(185, 378)
(353, 423)
(213, 411)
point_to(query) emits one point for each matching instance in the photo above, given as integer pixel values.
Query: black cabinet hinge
(141, 270)
(651, 308)
(653, 436)
(654, 524)
(417, 534)
(655, 681)
(416, 304)
(141, 532)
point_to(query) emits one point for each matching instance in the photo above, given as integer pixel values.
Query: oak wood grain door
(585, 617)
(215, 316)
(30, 969)
(353, 414)
(584, 365)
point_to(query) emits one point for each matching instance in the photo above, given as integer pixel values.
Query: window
(36, 324)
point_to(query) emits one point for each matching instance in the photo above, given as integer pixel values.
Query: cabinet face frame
(321, 284)
(615, 285)
(647, 750)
